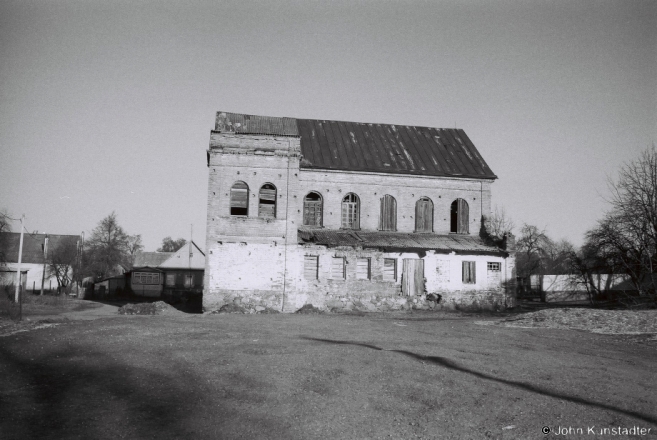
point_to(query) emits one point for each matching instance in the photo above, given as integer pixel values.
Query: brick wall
(257, 263)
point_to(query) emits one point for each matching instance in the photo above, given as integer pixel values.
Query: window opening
(337, 268)
(459, 218)
(424, 215)
(469, 272)
(493, 267)
(389, 269)
(388, 215)
(267, 201)
(239, 199)
(350, 212)
(312, 209)
(363, 269)
(310, 266)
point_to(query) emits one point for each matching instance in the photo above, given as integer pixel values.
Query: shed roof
(32, 245)
(463, 244)
(358, 146)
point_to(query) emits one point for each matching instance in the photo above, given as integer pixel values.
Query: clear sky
(108, 106)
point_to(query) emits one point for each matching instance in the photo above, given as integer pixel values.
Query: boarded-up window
(310, 265)
(312, 209)
(350, 212)
(469, 272)
(239, 199)
(337, 268)
(389, 269)
(424, 215)
(171, 279)
(460, 215)
(267, 201)
(388, 215)
(363, 269)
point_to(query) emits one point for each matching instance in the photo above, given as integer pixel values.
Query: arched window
(239, 199)
(312, 209)
(351, 212)
(267, 201)
(424, 215)
(388, 215)
(459, 217)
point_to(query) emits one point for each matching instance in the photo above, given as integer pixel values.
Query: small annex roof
(32, 245)
(358, 146)
(151, 259)
(187, 257)
(395, 241)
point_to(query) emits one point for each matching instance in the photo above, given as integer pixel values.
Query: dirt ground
(406, 375)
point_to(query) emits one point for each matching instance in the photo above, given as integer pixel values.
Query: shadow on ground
(451, 365)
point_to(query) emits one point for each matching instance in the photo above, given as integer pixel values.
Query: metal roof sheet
(151, 259)
(32, 245)
(357, 146)
(398, 240)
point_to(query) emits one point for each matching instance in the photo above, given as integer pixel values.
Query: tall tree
(499, 223)
(61, 263)
(532, 247)
(107, 247)
(170, 245)
(626, 237)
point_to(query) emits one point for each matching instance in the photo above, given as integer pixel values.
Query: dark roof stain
(358, 146)
(469, 244)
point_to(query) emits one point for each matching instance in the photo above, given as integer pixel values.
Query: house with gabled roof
(349, 215)
(34, 257)
(168, 274)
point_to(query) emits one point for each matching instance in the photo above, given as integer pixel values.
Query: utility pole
(20, 257)
(45, 258)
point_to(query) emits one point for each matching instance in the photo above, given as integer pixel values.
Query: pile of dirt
(593, 320)
(155, 308)
(231, 308)
(309, 309)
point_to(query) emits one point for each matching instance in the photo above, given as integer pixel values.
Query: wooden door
(413, 277)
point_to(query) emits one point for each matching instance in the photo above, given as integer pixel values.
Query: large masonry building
(349, 216)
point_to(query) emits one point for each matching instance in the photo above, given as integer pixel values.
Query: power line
(10, 218)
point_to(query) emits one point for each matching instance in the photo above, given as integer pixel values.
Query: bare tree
(170, 245)
(627, 235)
(499, 223)
(61, 263)
(532, 248)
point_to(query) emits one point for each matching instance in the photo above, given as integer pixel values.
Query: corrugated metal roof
(398, 241)
(32, 245)
(357, 146)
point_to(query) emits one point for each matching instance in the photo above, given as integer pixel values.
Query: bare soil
(295, 376)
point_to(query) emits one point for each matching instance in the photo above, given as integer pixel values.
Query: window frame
(350, 211)
(470, 273)
(368, 273)
(261, 206)
(334, 260)
(232, 199)
(493, 266)
(423, 227)
(306, 260)
(394, 269)
(459, 217)
(317, 205)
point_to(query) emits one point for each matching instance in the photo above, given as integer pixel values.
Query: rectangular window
(363, 269)
(145, 278)
(188, 281)
(171, 279)
(493, 267)
(310, 266)
(389, 269)
(469, 272)
(337, 268)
